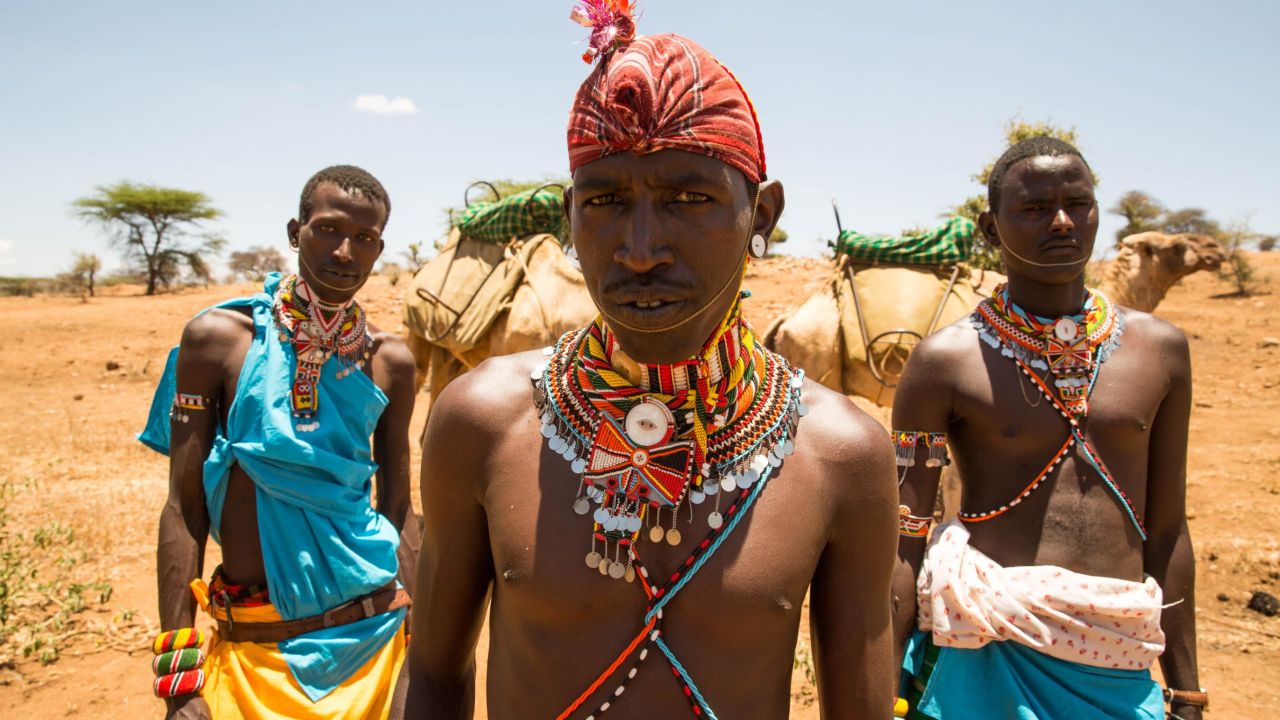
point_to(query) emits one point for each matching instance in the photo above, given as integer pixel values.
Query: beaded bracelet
(178, 662)
(913, 525)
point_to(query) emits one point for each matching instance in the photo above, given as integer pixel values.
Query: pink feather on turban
(661, 92)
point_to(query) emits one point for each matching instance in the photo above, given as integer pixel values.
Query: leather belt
(383, 600)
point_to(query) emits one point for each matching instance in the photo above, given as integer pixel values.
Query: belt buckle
(367, 603)
(226, 606)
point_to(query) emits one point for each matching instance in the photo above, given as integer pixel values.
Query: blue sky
(887, 108)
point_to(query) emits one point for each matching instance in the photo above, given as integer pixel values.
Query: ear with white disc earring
(759, 246)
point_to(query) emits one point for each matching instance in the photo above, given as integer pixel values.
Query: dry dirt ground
(68, 455)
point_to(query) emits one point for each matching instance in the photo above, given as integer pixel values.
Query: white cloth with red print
(967, 600)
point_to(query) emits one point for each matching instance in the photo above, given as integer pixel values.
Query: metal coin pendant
(581, 505)
(593, 559)
(673, 537)
(604, 566)
(649, 422)
(715, 520)
(655, 535)
(631, 574)
(617, 570)
(1066, 329)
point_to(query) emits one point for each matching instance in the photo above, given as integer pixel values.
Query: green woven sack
(540, 210)
(946, 245)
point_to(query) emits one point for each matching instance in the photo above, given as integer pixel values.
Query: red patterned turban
(663, 92)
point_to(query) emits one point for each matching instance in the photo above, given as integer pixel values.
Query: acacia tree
(155, 227)
(1141, 212)
(254, 264)
(85, 269)
(985, 256)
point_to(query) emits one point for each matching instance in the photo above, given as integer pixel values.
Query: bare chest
(758, 572)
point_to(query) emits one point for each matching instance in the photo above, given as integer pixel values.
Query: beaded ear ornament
(639, 460)
(318, 331)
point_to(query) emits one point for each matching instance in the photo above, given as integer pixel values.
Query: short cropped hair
(1039, 146)
(352, 180)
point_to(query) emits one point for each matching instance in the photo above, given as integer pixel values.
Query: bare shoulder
(488, 399)
(941, 349)
(851, 449)
(392, 352)
(1152, 331)
(935, 361)
(211, 333)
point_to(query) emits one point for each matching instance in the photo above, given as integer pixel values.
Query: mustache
(651, 282)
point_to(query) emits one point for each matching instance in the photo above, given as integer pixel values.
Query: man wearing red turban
(651, 438)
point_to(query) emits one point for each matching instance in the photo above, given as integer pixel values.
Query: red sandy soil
(68, 453)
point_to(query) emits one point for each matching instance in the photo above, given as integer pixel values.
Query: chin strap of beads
(178, 662)
(913, 525)
(186, 403)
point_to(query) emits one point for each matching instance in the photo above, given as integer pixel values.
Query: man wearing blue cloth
(1068, 571)
(279, 412)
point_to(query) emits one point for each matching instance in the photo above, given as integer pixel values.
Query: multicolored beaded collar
(1073, 358)
(1068, 347)
(318, 331)
(720, 423)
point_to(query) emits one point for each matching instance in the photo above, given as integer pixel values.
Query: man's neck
(1047, 300)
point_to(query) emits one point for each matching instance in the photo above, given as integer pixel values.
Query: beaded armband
(186, 403)
(913, 525)
(905, 443)
(178, 663)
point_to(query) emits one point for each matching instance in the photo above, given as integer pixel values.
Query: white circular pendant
(649, 422)
(1066, 329)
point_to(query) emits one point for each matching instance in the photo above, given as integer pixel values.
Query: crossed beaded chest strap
(651, 634)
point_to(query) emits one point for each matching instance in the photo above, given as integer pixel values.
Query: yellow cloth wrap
(252, 681)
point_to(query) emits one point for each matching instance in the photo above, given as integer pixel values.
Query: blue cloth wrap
(323, 544)
(1013, 681)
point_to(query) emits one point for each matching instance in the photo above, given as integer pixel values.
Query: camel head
(1150, 263)
(1176, 256)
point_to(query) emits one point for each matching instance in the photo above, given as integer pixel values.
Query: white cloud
(383, 105)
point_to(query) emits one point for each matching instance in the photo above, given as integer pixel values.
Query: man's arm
(1167, 555)
(184, 520)
(849, 609)
(922, 403)
(455, 567)
(394, 372)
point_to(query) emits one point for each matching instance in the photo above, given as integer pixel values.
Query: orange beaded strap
(1075, 436)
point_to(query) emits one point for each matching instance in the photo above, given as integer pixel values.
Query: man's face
(339, 243)
(658, 236)
(1048, 215)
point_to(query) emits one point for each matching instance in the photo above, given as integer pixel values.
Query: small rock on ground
(1265, 603)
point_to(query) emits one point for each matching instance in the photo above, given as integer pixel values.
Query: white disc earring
(759, 246)
(572, 257)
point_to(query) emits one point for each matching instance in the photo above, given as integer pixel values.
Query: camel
(1150, 263)
(824, 335)
(550, 300)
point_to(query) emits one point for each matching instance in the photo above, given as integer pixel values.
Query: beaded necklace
(1073, 358)
(719, 423)
(318, 331)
